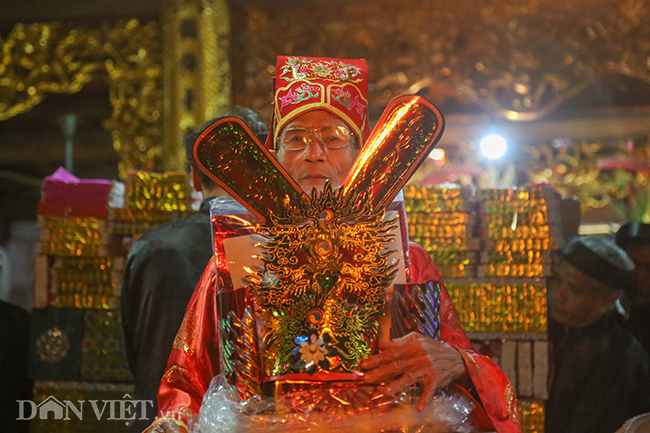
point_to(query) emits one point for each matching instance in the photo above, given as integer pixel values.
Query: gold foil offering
(163, 192)
(505, 237)
(532, 415)
(500, 306)
(72, 236)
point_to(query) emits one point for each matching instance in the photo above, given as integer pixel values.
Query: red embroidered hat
(303, 84)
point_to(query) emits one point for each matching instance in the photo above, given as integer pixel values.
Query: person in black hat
(634, 238)
(600, 371)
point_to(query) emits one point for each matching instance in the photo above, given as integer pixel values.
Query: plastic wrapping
(226, 205)
(222, 412)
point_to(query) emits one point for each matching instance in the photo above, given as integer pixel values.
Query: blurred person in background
(600, 371)
(161, 272)
(634, 238)
(14, 348)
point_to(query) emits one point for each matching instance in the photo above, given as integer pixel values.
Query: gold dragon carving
(41, 59)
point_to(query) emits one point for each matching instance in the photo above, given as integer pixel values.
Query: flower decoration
(628, 187)
(312, 350)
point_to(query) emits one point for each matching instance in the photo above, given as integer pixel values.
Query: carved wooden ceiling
(519, 59)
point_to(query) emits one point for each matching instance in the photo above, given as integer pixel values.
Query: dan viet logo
(51, 408)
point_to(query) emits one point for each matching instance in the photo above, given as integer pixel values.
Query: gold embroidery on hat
(331, 70)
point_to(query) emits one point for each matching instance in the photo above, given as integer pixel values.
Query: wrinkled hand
(167, 426)
(411, 359)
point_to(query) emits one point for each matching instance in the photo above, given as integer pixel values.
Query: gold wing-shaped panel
(230, 154)
(407, 131)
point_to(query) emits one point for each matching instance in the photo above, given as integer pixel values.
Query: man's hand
(411, 359)
(167, 426)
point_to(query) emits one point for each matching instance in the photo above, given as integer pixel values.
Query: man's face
(312, 166)
(577, 300)
(640, 255)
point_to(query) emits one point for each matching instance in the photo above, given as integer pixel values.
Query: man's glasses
(332, 137)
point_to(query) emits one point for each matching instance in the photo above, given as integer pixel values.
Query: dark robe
(160, 276)
(639, 325)
(600, 378)
(14, 380)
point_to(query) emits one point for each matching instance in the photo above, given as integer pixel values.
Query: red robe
(194, 360)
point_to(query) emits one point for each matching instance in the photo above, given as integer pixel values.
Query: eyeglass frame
(352, 140)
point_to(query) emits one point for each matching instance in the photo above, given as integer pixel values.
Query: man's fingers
(403, 351)
(167, 427)
(425, 398)
(408, 379)
(377, 360)
(387, 371)
(400, 342)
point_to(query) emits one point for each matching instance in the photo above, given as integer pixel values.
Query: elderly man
(600, 376)
(320, 122)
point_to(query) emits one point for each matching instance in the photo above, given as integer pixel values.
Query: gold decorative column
(197, 70)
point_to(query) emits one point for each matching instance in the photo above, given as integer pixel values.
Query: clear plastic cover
(226, 205)
(222, 412)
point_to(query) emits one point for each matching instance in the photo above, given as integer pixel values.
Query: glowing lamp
(437, 154)
(493, 146)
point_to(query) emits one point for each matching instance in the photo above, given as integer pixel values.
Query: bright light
(493, 146)
(437, 154)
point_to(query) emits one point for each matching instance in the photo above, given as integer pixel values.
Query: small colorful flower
(313, 350)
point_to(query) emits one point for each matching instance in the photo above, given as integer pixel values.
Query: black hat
(600, 259)
(634, 233)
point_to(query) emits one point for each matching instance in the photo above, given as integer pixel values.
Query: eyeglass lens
(332, 137)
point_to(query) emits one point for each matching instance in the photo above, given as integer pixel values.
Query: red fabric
(190, 369)
(303, 84)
